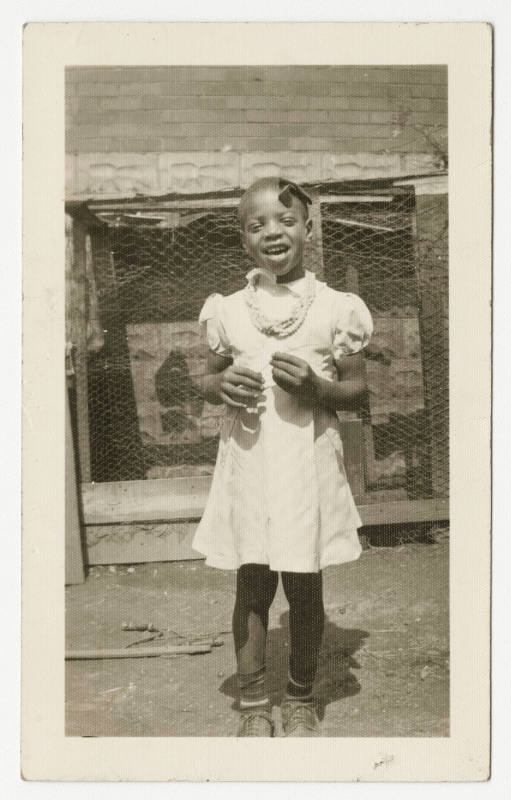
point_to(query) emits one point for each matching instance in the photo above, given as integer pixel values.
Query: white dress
(279, 493)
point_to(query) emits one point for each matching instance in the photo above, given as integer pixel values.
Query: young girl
(284, 355)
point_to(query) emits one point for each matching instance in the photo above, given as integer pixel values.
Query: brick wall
(263, 109)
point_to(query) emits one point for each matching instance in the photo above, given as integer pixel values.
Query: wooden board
(141, 543)
(144, 543)
(77, 313)
(185, 498)
(155, 205)
(142, 501)
(432, 268)
(401, 511)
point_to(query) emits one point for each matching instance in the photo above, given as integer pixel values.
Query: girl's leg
(304, 592)
(255, 589)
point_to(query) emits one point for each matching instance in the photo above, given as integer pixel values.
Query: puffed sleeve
(210, 319)
(353, 326)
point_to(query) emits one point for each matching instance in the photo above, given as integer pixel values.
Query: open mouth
(276, 250)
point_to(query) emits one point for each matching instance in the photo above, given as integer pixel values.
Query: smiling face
(274, 235)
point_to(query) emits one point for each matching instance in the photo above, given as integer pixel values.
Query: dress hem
(219, 563)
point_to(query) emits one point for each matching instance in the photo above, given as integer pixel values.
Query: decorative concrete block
(198, 171)
(99, 175)
(116, 174)
(299, 167)
(356, 166)
(418, 163)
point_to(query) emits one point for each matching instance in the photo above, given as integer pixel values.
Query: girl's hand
(294, 375)
(240, 386)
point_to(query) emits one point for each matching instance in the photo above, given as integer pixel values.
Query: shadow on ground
(335, 679)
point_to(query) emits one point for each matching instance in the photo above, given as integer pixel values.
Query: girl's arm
(346, 392)
(209, 384)
(297, 377)
(225, 383)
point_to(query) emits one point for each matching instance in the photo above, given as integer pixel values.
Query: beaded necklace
(279, 327)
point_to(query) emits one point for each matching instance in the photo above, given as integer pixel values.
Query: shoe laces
(254, 721)
(304, 714)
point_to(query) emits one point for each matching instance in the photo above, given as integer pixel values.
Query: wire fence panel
(151, 272)
(370, 248)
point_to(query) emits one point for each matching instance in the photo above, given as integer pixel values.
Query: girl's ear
(308, 230)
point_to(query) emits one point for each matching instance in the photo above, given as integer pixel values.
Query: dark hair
(286, 189)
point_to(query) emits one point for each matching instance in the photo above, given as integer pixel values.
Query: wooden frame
(177, 504)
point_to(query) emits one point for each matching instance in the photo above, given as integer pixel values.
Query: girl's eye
(288, 221)
(254, 228)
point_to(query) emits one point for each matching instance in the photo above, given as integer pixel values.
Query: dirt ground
(384, 666)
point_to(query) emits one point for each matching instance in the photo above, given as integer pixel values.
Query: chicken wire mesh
(372, 249)
(148, 273)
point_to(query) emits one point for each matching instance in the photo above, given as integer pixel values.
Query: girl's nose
(273, 230)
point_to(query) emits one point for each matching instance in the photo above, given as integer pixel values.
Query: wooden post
(432, 259)
(314, 248)
(77, 312)
(365, 429)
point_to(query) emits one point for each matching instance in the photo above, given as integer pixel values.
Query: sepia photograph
(257, 343)
(257, 384)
